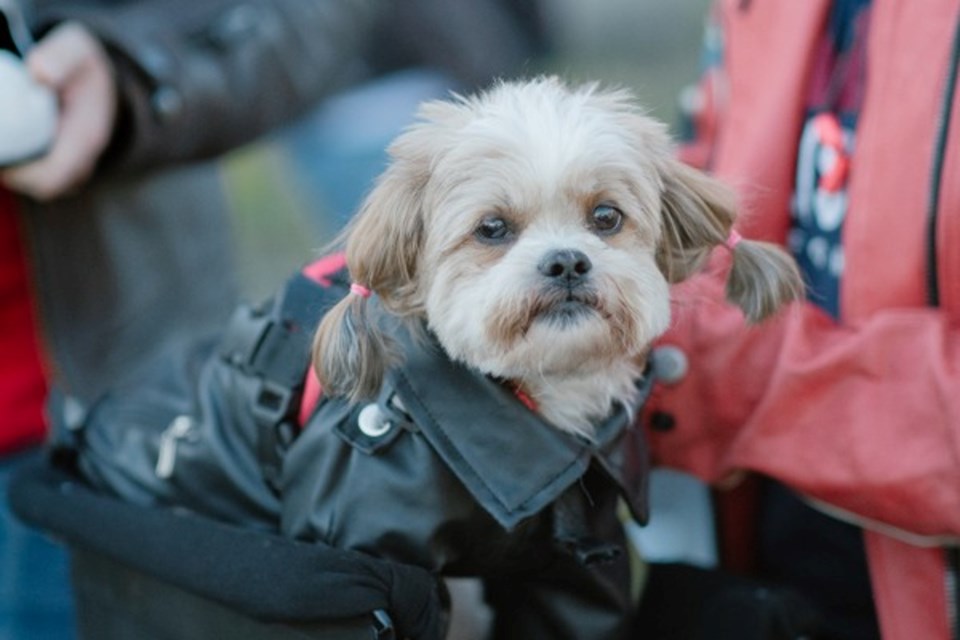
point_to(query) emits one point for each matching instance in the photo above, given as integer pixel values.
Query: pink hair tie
(360, 290)
(733, 240)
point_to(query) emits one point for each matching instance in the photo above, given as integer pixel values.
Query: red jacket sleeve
(865, 418)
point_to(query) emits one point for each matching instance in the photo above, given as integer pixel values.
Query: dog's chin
(566, 314)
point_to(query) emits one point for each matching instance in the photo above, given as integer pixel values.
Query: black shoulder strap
(272, 343)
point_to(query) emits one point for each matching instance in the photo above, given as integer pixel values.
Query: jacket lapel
(509, 459)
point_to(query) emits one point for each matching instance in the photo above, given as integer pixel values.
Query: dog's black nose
(565, 264)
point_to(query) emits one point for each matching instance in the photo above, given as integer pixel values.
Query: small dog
(535, 230)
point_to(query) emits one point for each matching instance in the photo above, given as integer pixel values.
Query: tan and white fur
(535, 230)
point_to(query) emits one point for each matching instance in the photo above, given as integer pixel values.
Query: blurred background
(293, 191)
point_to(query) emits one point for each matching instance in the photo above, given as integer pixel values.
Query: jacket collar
(512, 462)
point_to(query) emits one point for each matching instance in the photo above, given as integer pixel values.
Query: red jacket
(863, 417)
(22, 379)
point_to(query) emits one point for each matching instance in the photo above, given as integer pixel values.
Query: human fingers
(72, 62)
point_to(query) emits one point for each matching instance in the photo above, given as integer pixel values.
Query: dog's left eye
(493, 230)
(606, 220)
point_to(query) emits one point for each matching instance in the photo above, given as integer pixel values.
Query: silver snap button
(373, 422)
(669, 364)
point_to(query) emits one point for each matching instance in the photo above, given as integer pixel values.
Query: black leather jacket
(449, 471)
(446, 470)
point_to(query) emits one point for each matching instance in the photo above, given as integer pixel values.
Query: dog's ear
(351, 352)
(698, 214)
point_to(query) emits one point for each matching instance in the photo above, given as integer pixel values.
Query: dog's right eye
(606, 220)
(493, 230)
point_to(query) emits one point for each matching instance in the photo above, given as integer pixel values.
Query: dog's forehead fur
(548, 128)
(536, 149)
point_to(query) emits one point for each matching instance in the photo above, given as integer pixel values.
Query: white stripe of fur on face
(542, 159)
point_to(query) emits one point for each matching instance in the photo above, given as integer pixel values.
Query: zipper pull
(167, 454)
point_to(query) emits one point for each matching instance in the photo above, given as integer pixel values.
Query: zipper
(936, 178)
(180, 429)
(951, 553)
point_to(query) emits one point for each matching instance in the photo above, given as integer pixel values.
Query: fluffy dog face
(534, 229)
(541, 231)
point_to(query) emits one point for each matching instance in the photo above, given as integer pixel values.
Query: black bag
(156, 574)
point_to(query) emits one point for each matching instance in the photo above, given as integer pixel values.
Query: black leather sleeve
(198, 77)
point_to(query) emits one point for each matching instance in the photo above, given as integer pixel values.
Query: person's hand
(71, 61)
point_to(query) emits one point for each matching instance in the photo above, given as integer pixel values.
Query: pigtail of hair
(762, 278)
(351, 353)
(352, 349)
(699, 214)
